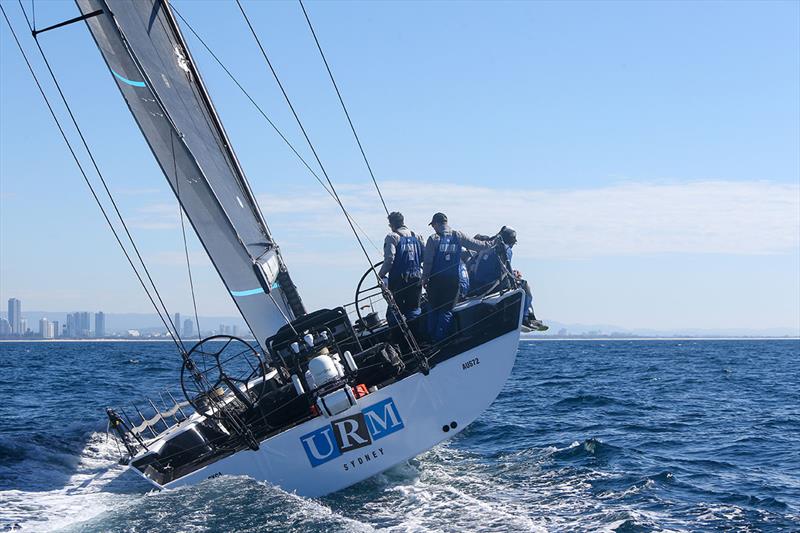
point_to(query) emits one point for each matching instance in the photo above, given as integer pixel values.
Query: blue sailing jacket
(489, 268)
(407, 259)
(448, 256)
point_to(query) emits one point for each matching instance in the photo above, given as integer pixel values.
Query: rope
(269, 121)
(173, 331)
(85, 176)
(344, 108)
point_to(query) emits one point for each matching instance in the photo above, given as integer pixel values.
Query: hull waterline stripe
(248, 293)
(126, 80)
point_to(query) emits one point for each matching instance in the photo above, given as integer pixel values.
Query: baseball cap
(438, 218)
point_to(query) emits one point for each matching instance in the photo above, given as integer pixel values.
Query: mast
(151, 64)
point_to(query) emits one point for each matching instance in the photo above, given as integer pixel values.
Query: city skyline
(78, 325)
(148, 325)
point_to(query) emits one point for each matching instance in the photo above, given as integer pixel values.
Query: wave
(55, 488)
(591, 400)
(588, 449)
(227, 503)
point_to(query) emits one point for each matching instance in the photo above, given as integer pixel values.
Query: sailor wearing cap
(492, 271)
(402, 262)
(440, 273)
(491, 266)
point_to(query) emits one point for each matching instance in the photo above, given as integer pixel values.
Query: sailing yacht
(322, 399)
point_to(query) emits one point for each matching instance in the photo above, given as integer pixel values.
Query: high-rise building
(5, 327)
(235, 330)
(23, 326)
(56, 329)
(177, 323)
(79, 324)
(44, 328)
(188, 327)
(15, 315)
(71, 325)
(84, 324)
(99, 324)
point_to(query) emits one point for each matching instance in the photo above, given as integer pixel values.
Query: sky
(648, 153)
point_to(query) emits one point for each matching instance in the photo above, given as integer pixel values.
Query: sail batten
(147, 56)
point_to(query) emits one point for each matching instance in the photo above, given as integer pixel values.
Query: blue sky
(647, 152)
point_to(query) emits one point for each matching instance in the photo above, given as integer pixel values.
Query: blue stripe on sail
(248, 293)
(126, 80)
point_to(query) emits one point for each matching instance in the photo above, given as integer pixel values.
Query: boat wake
(55, 486)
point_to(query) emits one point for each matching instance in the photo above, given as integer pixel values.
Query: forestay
(146, 53)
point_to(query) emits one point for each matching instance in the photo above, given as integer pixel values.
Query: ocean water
(595, 435)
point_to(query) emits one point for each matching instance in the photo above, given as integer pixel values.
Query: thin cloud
(160, 216)
(139, 192)
(720, 217)
(197, 259)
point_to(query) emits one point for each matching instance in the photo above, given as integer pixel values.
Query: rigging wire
(269, 121)
(303, 130)
(344, 107)
(386, 292)
(174, 331)
(183, 232)
(86, 177)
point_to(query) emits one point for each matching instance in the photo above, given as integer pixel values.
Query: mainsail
(146, 53)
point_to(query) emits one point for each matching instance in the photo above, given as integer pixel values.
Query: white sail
(145, 52)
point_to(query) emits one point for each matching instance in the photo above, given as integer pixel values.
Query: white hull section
(385, 428)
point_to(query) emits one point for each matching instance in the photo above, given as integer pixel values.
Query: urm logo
(352, 432)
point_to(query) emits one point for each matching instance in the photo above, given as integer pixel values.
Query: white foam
(81, 498)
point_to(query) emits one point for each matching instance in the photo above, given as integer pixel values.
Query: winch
(323, 369)
(325, 372)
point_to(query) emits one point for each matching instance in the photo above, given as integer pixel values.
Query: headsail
(146, 53)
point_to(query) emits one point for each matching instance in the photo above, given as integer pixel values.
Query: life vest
(489, 266)
(407, 259)
(448, 256)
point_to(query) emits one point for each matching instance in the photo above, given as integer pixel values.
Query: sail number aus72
(470, 363)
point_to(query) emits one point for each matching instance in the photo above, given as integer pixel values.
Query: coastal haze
(654, 186)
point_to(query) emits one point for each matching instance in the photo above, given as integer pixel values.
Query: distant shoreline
(659, 338)
(522, 338)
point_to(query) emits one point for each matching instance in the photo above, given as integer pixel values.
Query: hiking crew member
(491, 266)
(492, 272)
(440, 273)
(402, 257)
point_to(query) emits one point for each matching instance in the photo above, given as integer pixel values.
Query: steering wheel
(218, 367)
(360, 290)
